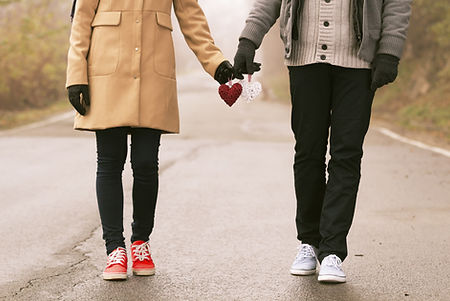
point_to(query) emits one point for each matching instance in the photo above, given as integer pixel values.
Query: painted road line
(48, 121)
(416, 143)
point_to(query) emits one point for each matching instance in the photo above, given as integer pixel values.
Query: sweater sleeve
(395, 21)
(80, 40)
(195, 29)
(261, 18)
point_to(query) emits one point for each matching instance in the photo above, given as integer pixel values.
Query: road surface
(225, 217)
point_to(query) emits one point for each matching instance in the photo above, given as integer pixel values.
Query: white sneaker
(306, 261)
(331, 270)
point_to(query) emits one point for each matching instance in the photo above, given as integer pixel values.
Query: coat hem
(163, 131)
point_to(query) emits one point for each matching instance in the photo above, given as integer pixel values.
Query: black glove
(384, 70)
(224, 72)
(243, 60)
(80, 104)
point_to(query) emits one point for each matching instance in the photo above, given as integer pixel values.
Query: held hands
(243, 60)
(243, 63)
(79, 103)
(384, 70)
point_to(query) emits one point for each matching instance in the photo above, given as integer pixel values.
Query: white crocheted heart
(250, 90)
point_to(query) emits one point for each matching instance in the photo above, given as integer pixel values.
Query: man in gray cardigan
(338, 53)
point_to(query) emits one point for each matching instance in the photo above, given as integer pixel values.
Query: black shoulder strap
(72, 13)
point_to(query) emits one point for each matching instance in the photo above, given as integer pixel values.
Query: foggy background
(227, 20)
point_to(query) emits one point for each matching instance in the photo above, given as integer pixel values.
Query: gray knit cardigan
(384, 24)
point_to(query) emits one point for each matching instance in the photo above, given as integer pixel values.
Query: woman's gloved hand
(243, 60)
(79, 103)
(224, 72)
(384, 70)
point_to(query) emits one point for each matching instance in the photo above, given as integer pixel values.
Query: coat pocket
(104, 50)
(164, 57)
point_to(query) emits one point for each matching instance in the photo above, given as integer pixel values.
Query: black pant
(111, 155)
(325, 96)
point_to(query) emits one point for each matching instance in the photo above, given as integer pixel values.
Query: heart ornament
(250, 90)
(230, 92)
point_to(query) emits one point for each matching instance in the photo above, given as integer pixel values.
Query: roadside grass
(415, 105)
(426, 117)
(11, 119)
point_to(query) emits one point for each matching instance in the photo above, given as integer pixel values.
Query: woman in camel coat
(121, 80)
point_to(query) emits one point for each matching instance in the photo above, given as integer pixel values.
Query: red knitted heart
(230, 94)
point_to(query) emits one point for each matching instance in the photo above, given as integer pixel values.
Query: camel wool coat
(123, 50)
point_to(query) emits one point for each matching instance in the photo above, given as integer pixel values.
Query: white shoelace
(305, 251)
(334, 261)
(117, 257)
(142, 252)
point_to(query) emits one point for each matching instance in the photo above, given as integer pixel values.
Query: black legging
(111, 155)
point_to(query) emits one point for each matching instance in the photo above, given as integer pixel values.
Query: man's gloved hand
(384, 70)
(243, 60)
(224, 72)
(80, 104)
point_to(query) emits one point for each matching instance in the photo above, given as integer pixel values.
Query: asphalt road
(225, 217)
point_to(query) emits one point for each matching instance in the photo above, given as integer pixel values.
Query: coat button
(323, 57)
(324, 47)
(326, 23)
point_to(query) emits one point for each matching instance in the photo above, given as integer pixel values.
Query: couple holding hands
(121, 80)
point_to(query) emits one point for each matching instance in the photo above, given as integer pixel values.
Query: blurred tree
(6, 2)
(429, 36)
(33, 48)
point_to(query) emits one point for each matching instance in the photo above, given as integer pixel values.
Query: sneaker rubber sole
(302, 272)
(331, 279)
(143, 272)
(114, 276)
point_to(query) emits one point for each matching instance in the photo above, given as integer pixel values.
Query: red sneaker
(116, 267)
(142, 260)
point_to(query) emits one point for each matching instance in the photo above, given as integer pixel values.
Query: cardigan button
(327, 1)
(326, 23)
(324, 47)
(323, 57)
